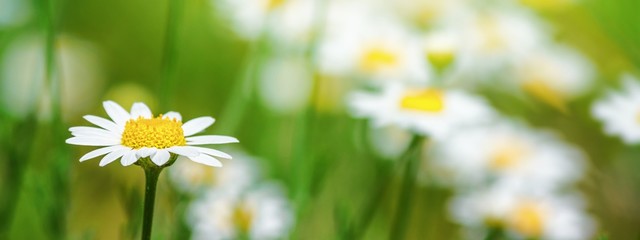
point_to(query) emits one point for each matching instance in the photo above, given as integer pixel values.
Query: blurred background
(281, 76)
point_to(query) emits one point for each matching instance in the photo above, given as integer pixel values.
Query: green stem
(169, 54)
(494, 233)
(411, 158)
(151, 174)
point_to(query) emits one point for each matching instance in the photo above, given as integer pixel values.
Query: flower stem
(411, 158)
(151, 174)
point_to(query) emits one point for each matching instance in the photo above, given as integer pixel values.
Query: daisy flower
(367, 44)
(426, 111)
(523, 214)
(137, 134)
(262, 212)
(506, 150)
(620, 111)
(554, 74)
(496, 38)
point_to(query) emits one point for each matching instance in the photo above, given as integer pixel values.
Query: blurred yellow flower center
(493, 40)
(528, 219)
(441, 59)
(157, 132)
(428, 100)
(377, 58)
(242, 218)
(541, 90)
(546, 4)
(273, 4)
(508, 154)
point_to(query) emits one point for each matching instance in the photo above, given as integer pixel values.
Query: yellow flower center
(528, 219)
(242, 218)
(541, 90)
(508, 155)
(493, 40)
(377, 58)
(156, 132)
(441, 59)
(273, 4)
(428, 100)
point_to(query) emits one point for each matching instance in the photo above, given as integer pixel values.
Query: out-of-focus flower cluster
(233, 203)
(418, 68)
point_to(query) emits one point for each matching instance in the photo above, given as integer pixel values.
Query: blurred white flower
(359, 42)
(389, 141)
(504, 150)
(620, 111)
(495, 38)
(524, 214)
(285, 83)
(426, 13)
(130, 136)
(554, 74)
(24, 90)
(13, 12)
(249, 18)
(427, 111)
(286, 21)
(260, 213)
(442, 47)
(237, 176)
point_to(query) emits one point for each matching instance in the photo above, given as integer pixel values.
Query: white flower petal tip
(112, 156)
(173, 115)
(129, 158)
(161, 157)
(211, 139)
(139, 109)
(118, 114)
(197, 125)
(207, 160)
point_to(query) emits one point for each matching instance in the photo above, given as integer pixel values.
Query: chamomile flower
(285, 84)
(620, 111)
(249, 17)
(505, 150)
(554, 74)
(363, 43)
(427, 111)
(260, 213)
(137, 134)
(496, 38)
(523, 214)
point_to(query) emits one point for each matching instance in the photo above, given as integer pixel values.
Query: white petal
(184, 151)
(129, 158)
(207, 160)
(210, 139)
(213, 152)
(116, 112)
(92, 141)
(161, 157)
(100, 151)
(93, 132)
(173, 115)
(146, 152)
(112, 156)
(196, 125)
(140, 110)
(104, 123)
